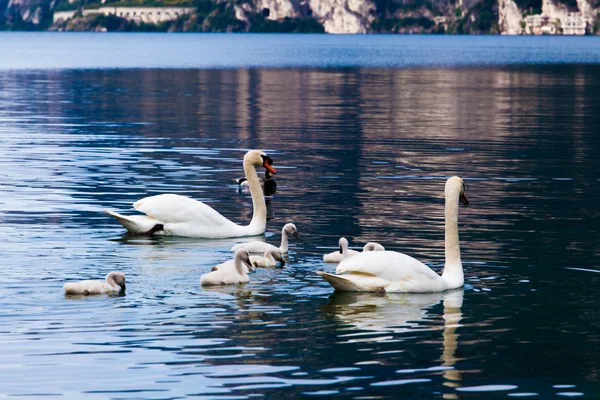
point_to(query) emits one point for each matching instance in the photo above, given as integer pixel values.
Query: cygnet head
(118, 278)
(243, 256)
(372, 246)
(343, 243)
(276, 254)
(457, 184)
(290, 229)
(259, 158)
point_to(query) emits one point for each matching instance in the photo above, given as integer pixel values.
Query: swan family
(375, 269)
(390, 271)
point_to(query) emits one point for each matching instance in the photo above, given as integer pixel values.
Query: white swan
(231, 272)
(256, 246)
(372, 246)
(172, 214)
(115, 282)
(344, 252)
(269, 259)
(390, 271)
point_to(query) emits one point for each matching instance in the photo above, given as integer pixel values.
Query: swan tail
(340, 282)
(355, 282)
(137, 224)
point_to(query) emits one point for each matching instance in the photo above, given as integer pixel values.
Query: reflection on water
(360, 153)
(374, 318)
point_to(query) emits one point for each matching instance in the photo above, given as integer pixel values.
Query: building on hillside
(150, 15)
(540, 24)
(575, 24)
(534, 23)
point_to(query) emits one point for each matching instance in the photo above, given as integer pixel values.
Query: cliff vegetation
(293, 16)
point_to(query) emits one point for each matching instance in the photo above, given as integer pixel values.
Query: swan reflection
(363, 314)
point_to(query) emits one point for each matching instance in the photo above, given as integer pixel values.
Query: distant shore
(512, 17)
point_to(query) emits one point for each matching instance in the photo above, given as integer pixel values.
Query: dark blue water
(360, 152)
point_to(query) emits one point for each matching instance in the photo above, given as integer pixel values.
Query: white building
(540, 24)
(574, 25)
(151, 15)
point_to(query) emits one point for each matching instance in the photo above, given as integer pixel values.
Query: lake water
(360, 152)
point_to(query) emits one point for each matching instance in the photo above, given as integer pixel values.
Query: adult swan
(172, 214)
(389, 271)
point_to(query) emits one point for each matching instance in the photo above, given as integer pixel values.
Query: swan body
(115, 282)
(232, 272)
(344, 252)
(172, 214)
(269, 259)
(390, 271)
(257, 246)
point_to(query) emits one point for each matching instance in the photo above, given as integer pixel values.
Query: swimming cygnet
(231, 272)
(115, 282)
(257, 246)
(269, 259)
(337, 256)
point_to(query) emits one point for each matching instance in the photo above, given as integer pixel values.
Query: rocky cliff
(509, 17)
(26, 14)
(331, 16)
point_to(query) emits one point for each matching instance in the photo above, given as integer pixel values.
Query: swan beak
(295, 234)
(267, 163)
(282, 261)
(463, 199)
(268, 167)
(247, 262)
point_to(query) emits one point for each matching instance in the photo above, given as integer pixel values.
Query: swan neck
(345, 249)
(111, 281)
(453, 271)
(259, 214)
(239, 266)
(284, 241)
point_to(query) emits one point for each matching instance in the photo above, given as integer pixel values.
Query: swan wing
(176, 209)
(226, 266)
(388, 265)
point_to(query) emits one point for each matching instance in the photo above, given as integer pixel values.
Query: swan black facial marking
(266, 159)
